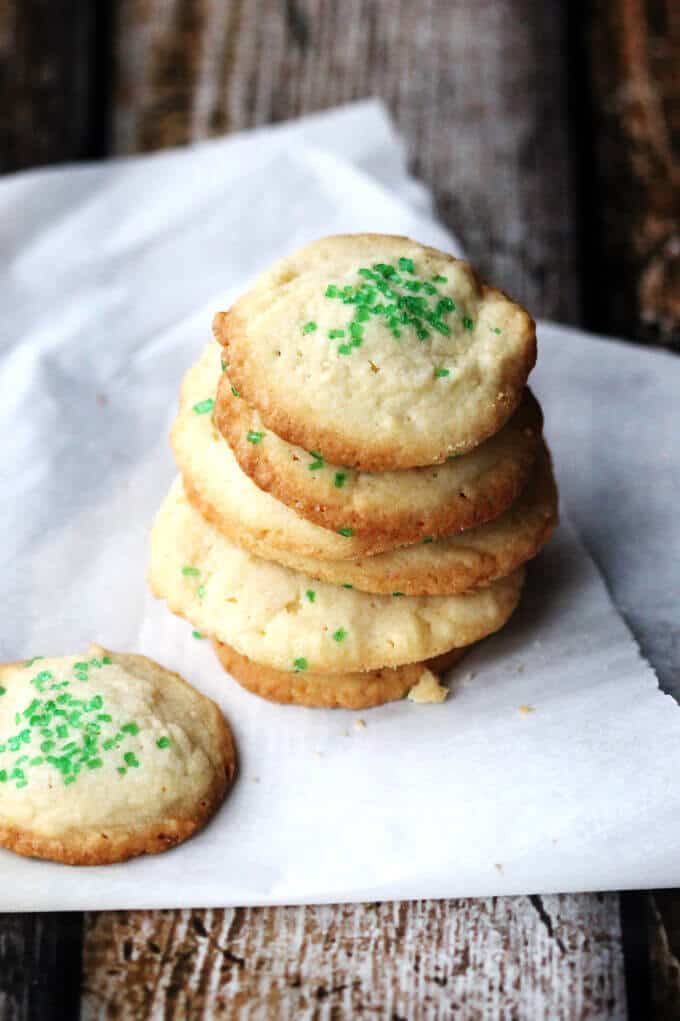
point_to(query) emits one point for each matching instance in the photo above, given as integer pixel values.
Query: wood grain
(633, 236)
(480, 960)
(40, 967)
(50, 82)
(477, 87)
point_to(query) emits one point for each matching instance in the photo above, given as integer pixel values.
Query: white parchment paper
(109, 277)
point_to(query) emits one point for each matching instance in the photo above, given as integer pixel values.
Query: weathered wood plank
(632, 243)
(40, 967)
(427, 960)
(477, 87)
(50, 86)
(664, 942)
(50, 93)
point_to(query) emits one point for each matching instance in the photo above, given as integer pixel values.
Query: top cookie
(378, 352)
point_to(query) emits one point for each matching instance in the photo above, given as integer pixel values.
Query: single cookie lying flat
(288, 621)
(334, 691)
(395, 507)
(377, 352)
(105, 756)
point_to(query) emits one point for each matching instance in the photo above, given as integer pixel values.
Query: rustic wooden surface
(633, 233)
(481, 92)
(421, 960)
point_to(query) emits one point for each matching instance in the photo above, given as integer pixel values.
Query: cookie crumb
(428, 689)
(526, 709)
(359, 722)
(498, 867)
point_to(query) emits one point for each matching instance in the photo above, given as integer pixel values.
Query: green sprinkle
(204, 407)
(3, 776)
(30, 662)
(440, 373)
(339, 635)
(106, 661)
(310, 326)
(197, 635)
(225, 365)
(104, 718)
(428, 538)
(347, 585)
(96, 662)
(81, 676)
(440, 279)
(62, 730)
(468, 323)
(495, 329)
(162, 742)
(311, 594)
(200, 591)
(22, 783)
(254, 437)
(318, 461)
(190, 572)
(3, 691)
(356, 332)
(122, 770)
(407, 307)
(131, 759)
(130, 728)
(397, 593)
(94, 763)
(300, 664)
(339, 480)
(235, 391)
(346, 532)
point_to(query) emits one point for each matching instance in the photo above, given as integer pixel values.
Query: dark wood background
(549, 133)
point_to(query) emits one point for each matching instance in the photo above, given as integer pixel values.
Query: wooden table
(549, 135)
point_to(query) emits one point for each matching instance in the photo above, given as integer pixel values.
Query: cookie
(392, 507)
(105, 756)
(377, 352)
(227, 497)
(334, 691)
(450, 565)
(286, 620)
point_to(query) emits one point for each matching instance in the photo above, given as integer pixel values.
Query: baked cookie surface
(282, 618)
(378, 352)
(226, 496)
(452, 564)
(105, 756)
(336, 691)
(391, 507)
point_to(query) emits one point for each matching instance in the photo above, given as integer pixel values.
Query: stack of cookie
(363, 474)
